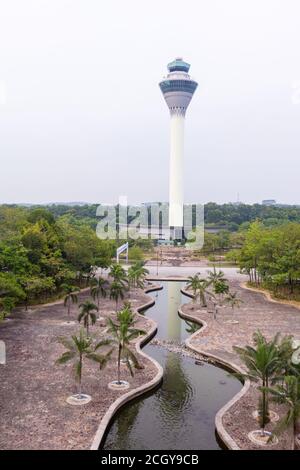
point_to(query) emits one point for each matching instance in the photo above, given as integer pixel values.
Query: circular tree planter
(232, 322)
(115, 385)
(272, 416)
(261, 439)
(69, 323)
(79, 399)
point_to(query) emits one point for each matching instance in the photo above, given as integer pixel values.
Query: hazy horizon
(83, 203)
(82, 117)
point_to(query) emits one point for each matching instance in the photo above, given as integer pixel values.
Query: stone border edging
(267, 294)
(122, 400)
(223, 434)
(55, 302)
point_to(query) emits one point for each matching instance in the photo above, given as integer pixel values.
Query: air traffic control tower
(178, 89)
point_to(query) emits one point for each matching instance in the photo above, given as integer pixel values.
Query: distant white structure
(268, 202)
(120, 249)
(178, 89)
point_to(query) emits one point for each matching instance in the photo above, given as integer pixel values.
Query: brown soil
(175, 256)
(255, 313)
(33, 390)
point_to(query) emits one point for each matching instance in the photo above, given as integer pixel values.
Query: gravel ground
(256, 312)
(33, 390)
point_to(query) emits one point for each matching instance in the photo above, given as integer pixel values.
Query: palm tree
(137, 274)
(71, 296)
(118, 274)
(193, 283)
(131, 276)
(202, 290)
(191, 327)
(79, 347)
(288, 393)
(87, 313)
(215, 276)
(220, 288)
(140, 273)
(286, 350)
(262, 363)
(116, 292)
(123, 332)
(98, 289)
(233, 300)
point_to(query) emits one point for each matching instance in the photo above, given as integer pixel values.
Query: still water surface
(181, 413)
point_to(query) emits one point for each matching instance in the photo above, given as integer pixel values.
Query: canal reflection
(180, 414)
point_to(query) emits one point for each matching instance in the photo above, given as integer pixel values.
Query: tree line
(270, 256)
(229, 216)
(40, 254)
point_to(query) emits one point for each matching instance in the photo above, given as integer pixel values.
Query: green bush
(135, 254)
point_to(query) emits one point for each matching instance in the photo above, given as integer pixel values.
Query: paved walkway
(186, 271)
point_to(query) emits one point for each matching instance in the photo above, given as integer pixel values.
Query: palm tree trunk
(263, 417)
(119, 364)
(79, 378)
(267, 398)
(69, 306)
(87, 327)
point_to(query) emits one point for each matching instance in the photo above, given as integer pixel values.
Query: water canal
(180, 414)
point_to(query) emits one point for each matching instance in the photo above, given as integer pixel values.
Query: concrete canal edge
(136, 392)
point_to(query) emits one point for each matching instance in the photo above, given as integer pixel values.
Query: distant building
(268, 202)
(236, 203)
(149, 204)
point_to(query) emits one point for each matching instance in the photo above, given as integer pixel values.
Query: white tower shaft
(176, 197)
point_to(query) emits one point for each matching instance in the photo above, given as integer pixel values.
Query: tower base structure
(176, 233)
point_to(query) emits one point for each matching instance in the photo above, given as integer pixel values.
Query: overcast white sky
(82, 117)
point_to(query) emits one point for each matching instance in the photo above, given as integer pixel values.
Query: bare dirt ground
(175, 256)
(255, 313)
(34, 413)
(33, 390)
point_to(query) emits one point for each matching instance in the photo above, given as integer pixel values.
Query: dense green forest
(269, 254)
(40, 253)
(271, 257)
(233, 215)
(229, 216)
(46, 247)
